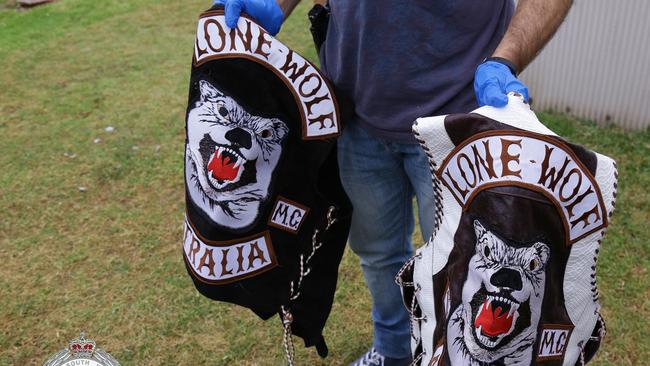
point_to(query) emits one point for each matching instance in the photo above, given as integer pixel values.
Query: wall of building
(597, 66)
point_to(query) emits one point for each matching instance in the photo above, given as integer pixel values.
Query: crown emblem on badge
(82, 347)
(81, 351)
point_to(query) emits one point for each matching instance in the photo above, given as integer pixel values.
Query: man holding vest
(397, 61)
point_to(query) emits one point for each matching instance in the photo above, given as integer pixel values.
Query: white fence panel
(598, 64)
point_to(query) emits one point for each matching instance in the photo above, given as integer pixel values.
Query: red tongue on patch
(222, 168)
(493, 324)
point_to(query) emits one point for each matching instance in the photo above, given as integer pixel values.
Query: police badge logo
(81, 351)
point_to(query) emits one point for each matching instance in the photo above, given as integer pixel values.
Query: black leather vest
(267, 218)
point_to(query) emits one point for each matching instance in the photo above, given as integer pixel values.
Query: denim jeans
(381, 178)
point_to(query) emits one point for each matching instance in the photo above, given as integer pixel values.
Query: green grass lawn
(108, 260)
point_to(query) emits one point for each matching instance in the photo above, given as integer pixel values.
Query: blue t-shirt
(400, 60)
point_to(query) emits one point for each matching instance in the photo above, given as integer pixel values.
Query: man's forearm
(534, 23)
(287, 6)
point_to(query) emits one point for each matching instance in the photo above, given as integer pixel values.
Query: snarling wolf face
(501, 302)
(230, 157)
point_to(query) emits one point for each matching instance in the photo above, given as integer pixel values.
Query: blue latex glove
(492, 83)
(266, 12)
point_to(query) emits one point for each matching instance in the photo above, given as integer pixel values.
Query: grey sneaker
(374, 358)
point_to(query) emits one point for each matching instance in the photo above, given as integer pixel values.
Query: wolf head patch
(508, 277)
(231, 157)
(505, 282)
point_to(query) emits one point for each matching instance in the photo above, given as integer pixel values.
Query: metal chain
(289, 348)
(294, 289)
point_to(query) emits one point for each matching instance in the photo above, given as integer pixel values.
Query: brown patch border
(556, 327)
(561, 145)
(293, 203)
(229, 243)
(305, 122)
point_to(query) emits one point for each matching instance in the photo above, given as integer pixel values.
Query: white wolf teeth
(513, 305)
(485, 340)
(220, 149)
(513, 308)
(218, 153)
(480, 310)
(239, 162)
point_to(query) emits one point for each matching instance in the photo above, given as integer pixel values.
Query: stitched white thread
(437, 196)
(418, 358)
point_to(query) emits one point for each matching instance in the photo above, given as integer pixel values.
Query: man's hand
(492, 83)
(266, 12)
(532, 26)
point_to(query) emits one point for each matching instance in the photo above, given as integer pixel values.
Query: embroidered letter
(288, 215)
(553, 342)
(232, 259)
